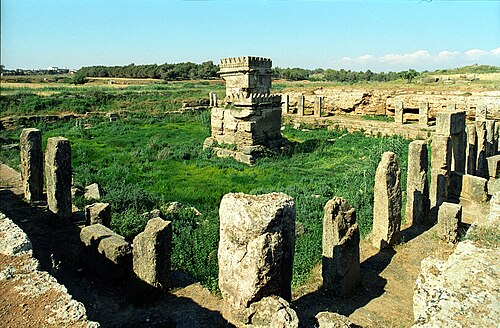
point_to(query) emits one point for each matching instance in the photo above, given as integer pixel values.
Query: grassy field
(145, 161)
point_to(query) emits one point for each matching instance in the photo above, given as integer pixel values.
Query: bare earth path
(384, 298)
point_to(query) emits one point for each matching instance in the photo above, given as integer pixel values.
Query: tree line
(169, 72)
(208, 70)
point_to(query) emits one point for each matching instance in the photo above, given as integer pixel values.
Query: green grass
(143, 162)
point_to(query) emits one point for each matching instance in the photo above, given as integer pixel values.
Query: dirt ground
(383, 299)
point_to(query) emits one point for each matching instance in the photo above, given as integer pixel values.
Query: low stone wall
(26, 290)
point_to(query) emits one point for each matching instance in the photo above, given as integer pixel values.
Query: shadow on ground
(112, 303)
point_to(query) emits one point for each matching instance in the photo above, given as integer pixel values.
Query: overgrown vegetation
(144, 162)
(485, 236)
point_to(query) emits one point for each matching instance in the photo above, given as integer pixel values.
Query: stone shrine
(249, 123)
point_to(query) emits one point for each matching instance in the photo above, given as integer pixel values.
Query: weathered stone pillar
(452, 124)
(340, 267)
(256, 250)
(471, 153)
(300, 105)
(481, 113)
(58, 176)
(423, 113)
(449, 219)
(440, 169)
(211, 99)
(481, 164)
(151, 253)
(285, 107)
(417, 187)
(451, 107)
(318, 106)
(387, 202)
(399, 112)
(491, 146)
(30, 145)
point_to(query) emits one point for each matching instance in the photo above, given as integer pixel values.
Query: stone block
(417, 186)
(30, 146)
(300, 105)
(449, 123)
(285, 106)
(104, 241)
(387, 202)
(474, 188)
(423, 113)
(493, 186)
(256, 250)
(493, 166)
(440, 168)
(151, 253)
(272, 311)
(340, 265)
(318, 106)
(58, 176)
(449, 220)
(481, 112)
(98, 213)
(92, 192)
(333, 320)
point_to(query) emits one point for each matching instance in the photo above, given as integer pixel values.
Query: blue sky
(358, 35)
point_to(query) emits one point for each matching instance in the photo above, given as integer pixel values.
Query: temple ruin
(249, 123)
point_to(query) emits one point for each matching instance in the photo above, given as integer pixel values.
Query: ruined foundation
(249, 124)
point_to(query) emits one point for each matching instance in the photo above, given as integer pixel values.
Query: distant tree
(409, 75)
(79, 78)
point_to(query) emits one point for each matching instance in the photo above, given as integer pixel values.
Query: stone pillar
(256, 250)
(449, 220)
(300, 105)
(318, 106)
(451, 107)
(423, 113)
(399, 112)
(214, 100)
(481, 164)
(491, 146)
(211, 99)
(417, 187)
(387, 202)
(151, 253)
(340, 267)
(471, 153)
(452, 124)
(58, 176)
(440, 169)
(481, 113)
(285, 107)
(30, 145)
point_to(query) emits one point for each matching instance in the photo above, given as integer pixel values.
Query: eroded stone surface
(463, 291)
(98, 213)
(256, 250)
(387, 202)
(30, 146)
(417, 186)
(332, 320)
(58, 176)
(340, 265)
(272, 312)
(151, 253)
(449, 220)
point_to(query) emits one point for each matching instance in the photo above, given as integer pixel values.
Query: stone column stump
(387, 202)
(30, 146)
(417, 187)
(449, 219)
(58, 176)
(151, 253)
(256, 250)
(340, 266)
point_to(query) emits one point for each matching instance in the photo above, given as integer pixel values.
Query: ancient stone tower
(249, 123)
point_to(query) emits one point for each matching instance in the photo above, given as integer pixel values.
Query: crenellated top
(245, 99)
(245, 61)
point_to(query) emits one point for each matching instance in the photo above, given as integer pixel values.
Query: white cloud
(420, 60)
(495, 51)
